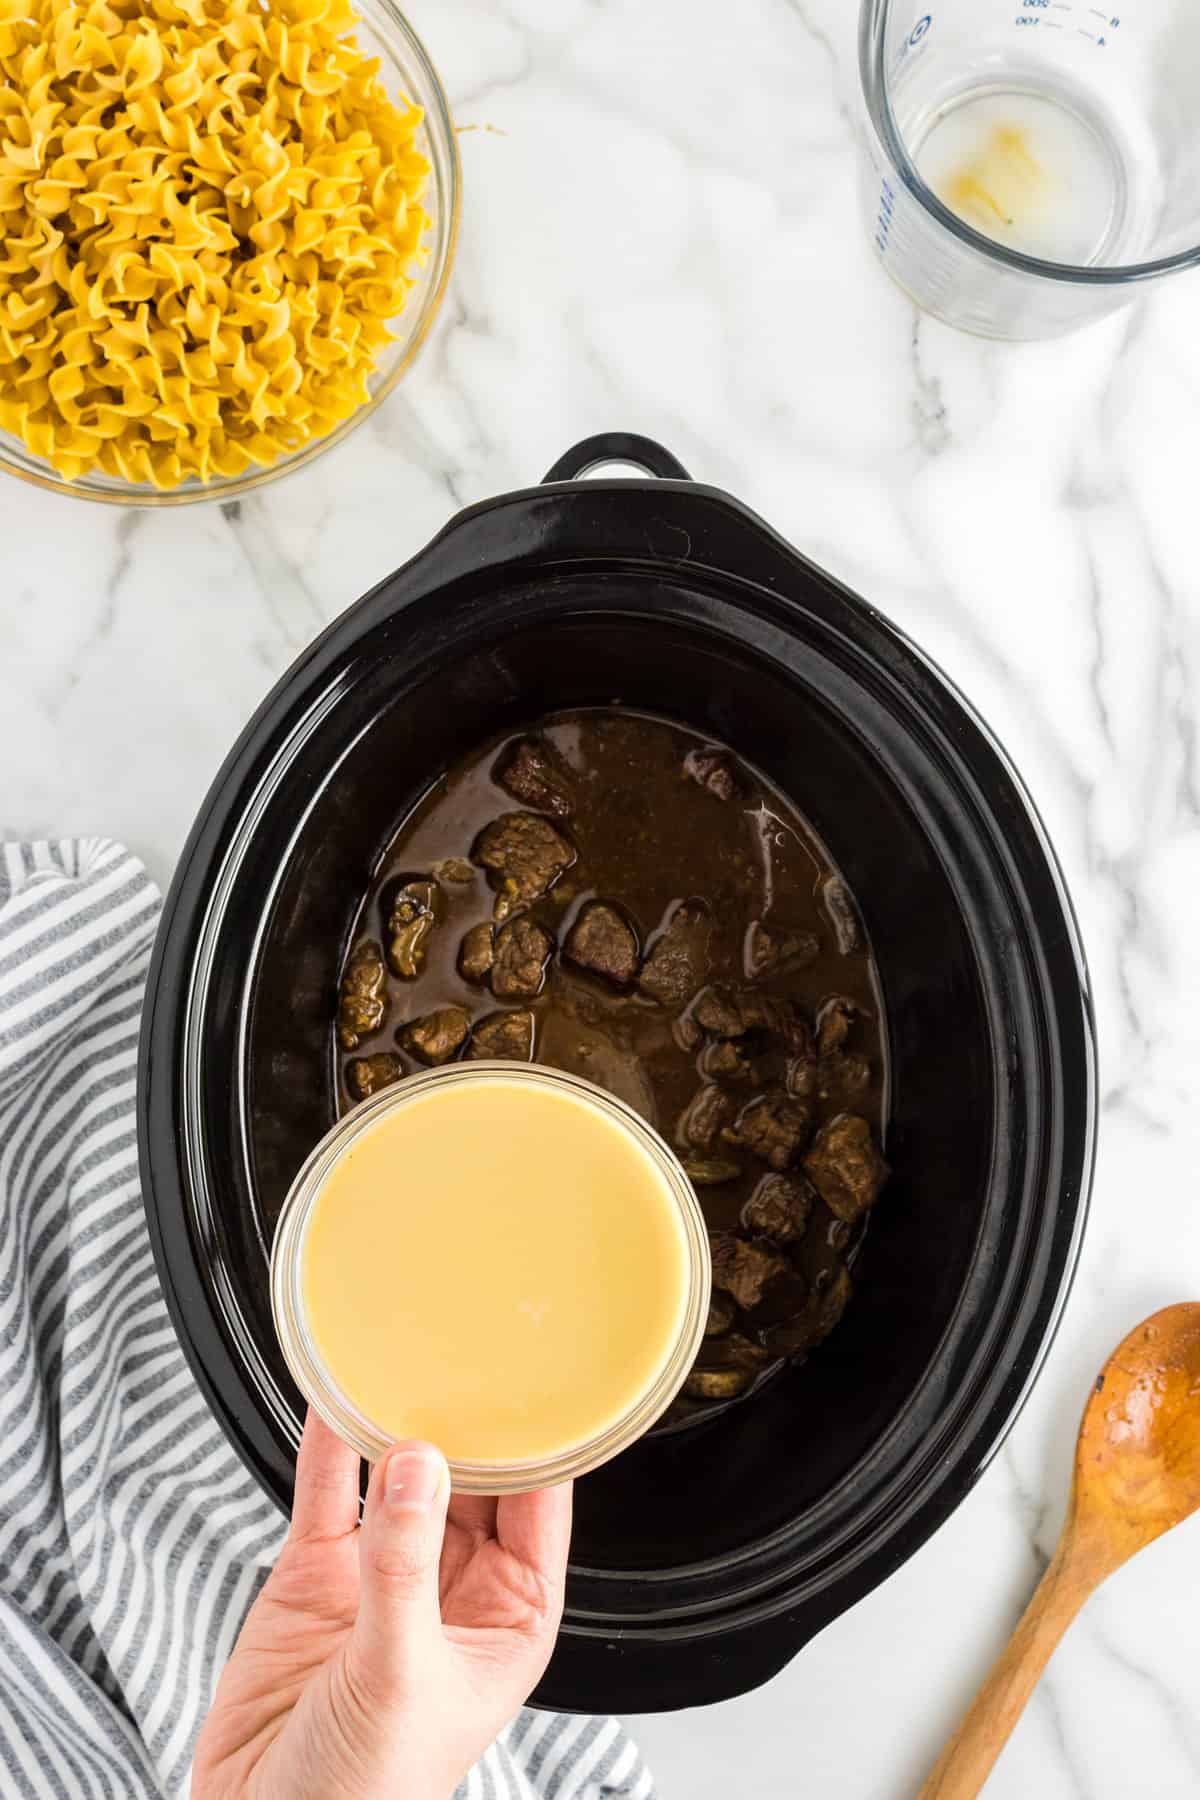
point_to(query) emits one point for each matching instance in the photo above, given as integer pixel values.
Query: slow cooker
(702, 1560)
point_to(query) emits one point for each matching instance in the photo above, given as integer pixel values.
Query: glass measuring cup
(1029, 164)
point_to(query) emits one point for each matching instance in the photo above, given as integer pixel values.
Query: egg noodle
(209, 210)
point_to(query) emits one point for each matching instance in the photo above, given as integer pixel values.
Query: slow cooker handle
(617, 446)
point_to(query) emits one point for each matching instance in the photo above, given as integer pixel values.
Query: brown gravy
(654, 819)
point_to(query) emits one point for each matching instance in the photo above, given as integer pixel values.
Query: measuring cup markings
(1017, 181)
(1037, 13)
(914, 40)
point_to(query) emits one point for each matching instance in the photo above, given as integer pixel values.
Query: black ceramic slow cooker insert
(703, 1560)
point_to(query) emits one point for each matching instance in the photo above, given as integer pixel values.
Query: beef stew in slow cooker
(607, 893)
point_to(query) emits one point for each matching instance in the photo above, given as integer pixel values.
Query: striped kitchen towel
(132, 1540)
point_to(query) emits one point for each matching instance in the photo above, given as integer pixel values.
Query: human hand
(382, 1660)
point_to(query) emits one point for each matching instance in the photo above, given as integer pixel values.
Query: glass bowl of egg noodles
(500, 1258)
(227, 228)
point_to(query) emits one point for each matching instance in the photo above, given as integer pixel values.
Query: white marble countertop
(660, 235)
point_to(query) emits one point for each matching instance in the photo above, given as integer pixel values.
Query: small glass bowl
(321, 1390)
(404, 69)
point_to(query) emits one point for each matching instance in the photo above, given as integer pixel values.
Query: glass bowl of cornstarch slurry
(504, 1260)
(228, 229)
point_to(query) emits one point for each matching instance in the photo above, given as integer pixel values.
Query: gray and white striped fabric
(132, 1540)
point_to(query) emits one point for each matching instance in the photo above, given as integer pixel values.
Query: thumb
(400, 1548)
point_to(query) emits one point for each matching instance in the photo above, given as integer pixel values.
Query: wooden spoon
(1137, 1473)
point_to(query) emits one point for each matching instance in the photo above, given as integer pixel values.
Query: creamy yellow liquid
(497, 1267)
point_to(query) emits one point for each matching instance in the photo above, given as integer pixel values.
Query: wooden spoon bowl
(1137, 1462)
(1137, 1473)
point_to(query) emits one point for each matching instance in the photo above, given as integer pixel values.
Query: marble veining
(660, 235)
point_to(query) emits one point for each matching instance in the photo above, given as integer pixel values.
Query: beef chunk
(533, 774)
(773, 1127)
(841, 1077)
(831, 1292)
(770, 951)
(802, 1078)
(456, 870)
(678, 959)
(717, 1384)
(413, 916)
(362, 1002)
(603, 941)
(705, 1116)
(835, 1021)
(367, 1074)
(780, 1207)
(734, 1351)
(476, 954)
(721, 1314)
(710, 1171)
(438, 1036)
(525, 856)
(846, 1168)
(505, 1035)
(726, 1060)
(720, 1010)
(843, 916)
(711, 769)
(729, 1012)
(745, 1270)
(730, 1366)
(688, 1036)
(522, 951)
(829, 1302)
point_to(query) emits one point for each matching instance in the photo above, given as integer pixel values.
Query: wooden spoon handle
(968, 1758)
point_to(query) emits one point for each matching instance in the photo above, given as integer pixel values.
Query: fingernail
(412, 1480)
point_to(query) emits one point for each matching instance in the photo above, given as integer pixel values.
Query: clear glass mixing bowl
(405, 69)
